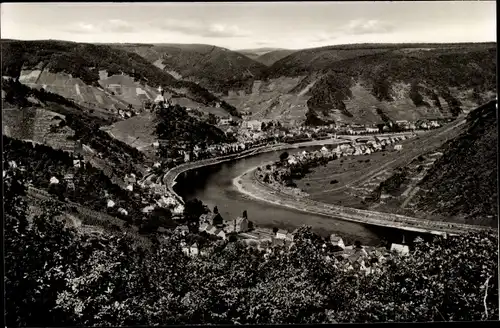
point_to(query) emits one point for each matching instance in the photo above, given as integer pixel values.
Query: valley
(168, 183)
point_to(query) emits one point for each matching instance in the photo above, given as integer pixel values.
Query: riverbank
(169, 178)
(249, 185)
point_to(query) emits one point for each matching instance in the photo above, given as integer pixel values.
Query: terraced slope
(97, 75)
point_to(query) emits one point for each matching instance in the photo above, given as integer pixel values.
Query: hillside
(96, 75)
(464, 181)
(217, 69)
(364, 83)
(46, 118)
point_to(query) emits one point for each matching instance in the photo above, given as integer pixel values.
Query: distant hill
(366, 82)
(98, 75)
(215, 68)
(464, 181)
(266, 56)
(269, 58)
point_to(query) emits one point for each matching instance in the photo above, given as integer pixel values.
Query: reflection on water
(214, 186)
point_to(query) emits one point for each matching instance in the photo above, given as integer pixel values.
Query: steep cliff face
(463, 182)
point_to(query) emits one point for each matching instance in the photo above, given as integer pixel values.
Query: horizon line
(257, 47)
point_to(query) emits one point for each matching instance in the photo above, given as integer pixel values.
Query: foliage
(175, 126)
(91, 184)
(194, 208)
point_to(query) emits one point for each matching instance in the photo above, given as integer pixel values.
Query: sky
(239, 25)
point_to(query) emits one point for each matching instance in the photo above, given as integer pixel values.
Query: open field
(358, 176)
(136, 131)
(249, 184)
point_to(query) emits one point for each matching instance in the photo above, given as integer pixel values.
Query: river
(213, 185)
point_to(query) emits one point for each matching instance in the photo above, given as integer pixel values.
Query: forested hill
(119, 157)
(363, 83)
(215, 68)
(430, 77)
(87, 61)
(464, 181)
(176, 126)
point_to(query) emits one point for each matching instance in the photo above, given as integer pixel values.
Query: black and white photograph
(242, 163)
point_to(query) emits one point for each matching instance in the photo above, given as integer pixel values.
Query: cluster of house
(361, 147)
(358, 129)
(158, 191)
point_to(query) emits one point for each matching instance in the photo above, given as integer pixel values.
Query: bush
(334, 181)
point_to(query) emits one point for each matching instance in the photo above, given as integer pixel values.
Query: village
(250, 134)
(279, 174)
(366, 259)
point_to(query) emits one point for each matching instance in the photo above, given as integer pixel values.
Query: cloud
(355, 27)
(111, 25)
(81, 27)
(373, 26)
(118, 26)
(214, 30)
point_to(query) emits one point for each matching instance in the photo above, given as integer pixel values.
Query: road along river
(214, 186)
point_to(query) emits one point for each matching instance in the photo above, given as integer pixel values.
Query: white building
(179, 209)
(337, 241)
(253, 125)
(281, 234)
(148, 209)
(54, 180)
(398, 147)
(402, 249)
(110, 203)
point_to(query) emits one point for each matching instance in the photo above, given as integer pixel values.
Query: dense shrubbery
(69, 279)
(176, 126)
